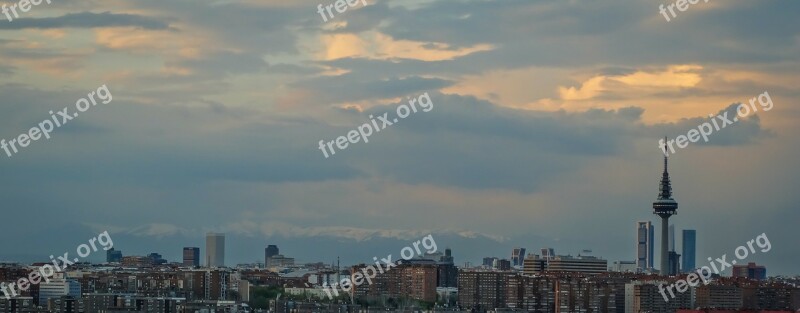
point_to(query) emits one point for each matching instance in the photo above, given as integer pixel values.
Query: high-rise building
(447, 271)
(644, 245)
(624, 266)
(17, 304)
(157, 258)
(689, 247)
(768, 297)
(533, 265)
(751, 270)
(581, 295)
(113, 256)
(191, 256)
(517, 256)
(209, 284)
(482, 290)
(280, 261)
(448, 256)
(548, 253)
(531, 294)
(502, 264)
(215, 250)
(644, 296)
(269, 252)
(447, 275)
(579, 264)
(57, 288)
(665, 207)
(718, 296)
(674, 263)
(416, 281)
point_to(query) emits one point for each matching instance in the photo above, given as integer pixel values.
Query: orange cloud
(376, 45)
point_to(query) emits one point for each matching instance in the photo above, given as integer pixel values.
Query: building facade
(482, 290)
(517, 256)
(191, 256)
(57, 288)
(689, 248)
(645, 296)
(644, 246)
(113, 256)
(579, 264)
(751, 271)
(269, 252)
(215, 250)
(718, 296)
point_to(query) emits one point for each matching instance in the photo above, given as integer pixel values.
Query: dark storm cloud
(470, 143)
(358, 87)
(544, 33)
(744, 131)
(87, 20)
(222, 64)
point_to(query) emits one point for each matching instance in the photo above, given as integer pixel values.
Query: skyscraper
(644, 245)
(751, 270)
(447, 257)
(269, 252)
(191, 256)
(674, 264)
(665, 207)
(689, 247)
(517, 256)
(215, 250)
(548, 253)
(113, 256)
(58, 287)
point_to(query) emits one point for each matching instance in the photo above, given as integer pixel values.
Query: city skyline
(329, 156)
(543, 129)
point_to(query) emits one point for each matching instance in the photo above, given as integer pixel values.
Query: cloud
(744, 131)
(87, 20)
(380, 46)
(282, 229)
(545, 122)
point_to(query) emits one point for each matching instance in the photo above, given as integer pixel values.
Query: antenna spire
(665, 188)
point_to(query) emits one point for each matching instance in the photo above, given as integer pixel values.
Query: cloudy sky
(543, 133)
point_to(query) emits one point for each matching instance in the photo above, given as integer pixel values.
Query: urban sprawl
(530, 282)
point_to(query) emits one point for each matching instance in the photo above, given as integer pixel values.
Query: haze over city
(544, 129)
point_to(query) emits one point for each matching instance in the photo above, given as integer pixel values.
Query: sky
(543, 131)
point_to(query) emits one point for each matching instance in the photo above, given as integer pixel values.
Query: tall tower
(215, 250)
(665, 207)
(517, 255)
(269, 252)
(191, 256)
(644, 246)
(688, 246)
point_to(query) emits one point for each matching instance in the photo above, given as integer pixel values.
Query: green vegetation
(261, 295)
